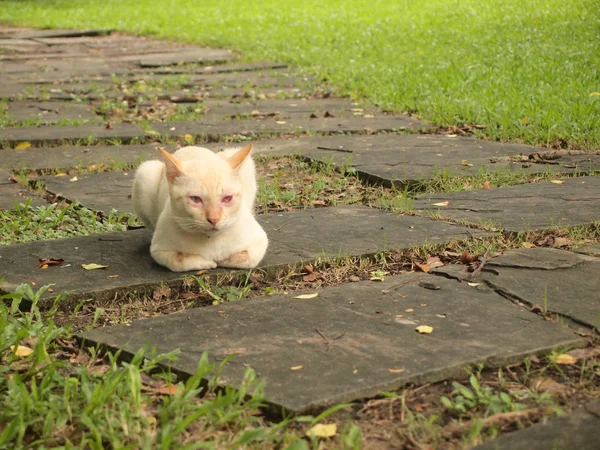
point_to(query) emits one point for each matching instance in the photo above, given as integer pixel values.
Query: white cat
(200, 206)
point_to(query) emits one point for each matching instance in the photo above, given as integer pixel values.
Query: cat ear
(173, 165)
(238, 157)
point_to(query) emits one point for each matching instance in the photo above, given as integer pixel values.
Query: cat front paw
(195, 262)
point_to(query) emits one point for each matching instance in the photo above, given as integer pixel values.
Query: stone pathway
(81, 98)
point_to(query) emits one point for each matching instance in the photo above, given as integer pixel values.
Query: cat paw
(239, 260)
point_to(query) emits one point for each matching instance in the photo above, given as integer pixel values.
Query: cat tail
(146, 192)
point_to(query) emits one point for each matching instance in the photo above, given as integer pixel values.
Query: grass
(26, 223)
(518, 68)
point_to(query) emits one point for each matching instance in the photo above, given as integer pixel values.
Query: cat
(199, 206)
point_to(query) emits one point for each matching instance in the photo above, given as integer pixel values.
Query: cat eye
(195, 199)
(227, 199)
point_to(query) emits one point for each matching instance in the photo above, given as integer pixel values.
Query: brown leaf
(423, 267)
(584, 353)
(537, 309)
(313, 116)
(561, 242)
(395, 370)
(319, 202)
(311, 277)
(434, 261)
(551, 386)
(309, 268)
(51, 261)
(109, 126)
(466, 257)
(565, 358)
(486, 185)
(328, 114)
(353, 278)
(163, 291)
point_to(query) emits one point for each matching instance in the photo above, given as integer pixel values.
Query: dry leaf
(307, 296)
(528, 245)
(486, 185)
(409, 310)
(255, 112)
(93, 266)
(537, 309)
(21, 350)
(395, 370)
(113, 276)
(561, 242)
(557, 181)
(440, 204)
(423, 267)
(323, 431)
(296, 367)
(73, 179)
(424, 329)
(328, 114)
(163, 291)
(50, 262)
(466, 257)
(61, 174)
(368, 116)
(353, 278)
(584, 353)
(311, 277)
(281, 122)
(549, 385)
(474, 284)
(23, 146)
(434, 261)
(565, 358)
(465, 163)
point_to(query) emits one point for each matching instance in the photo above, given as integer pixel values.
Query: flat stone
(367, 349)
(101, 192)
(48, 134)
(61, 158)
(295, 236)
(11, 192)
(37, 34)
(50, 112)
(529, 207)
(221, 68)
(559, 281)
(214, 131)
(200, 55)
(591, 250)
(579, 430)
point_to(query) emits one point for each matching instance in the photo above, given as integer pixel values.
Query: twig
(333, 149)
(373, 403)
(500, 418)
(341, 335)
(322, 335)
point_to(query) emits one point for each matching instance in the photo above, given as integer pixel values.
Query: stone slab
(530, 207)
(579, 430)
(36, 34)
(61, 158)
(11, 192)
(199, 55)
(591, 250)
(38, 135)
(294, 237)
(562, 282)
(221, 68)
(50, 112)
(363, 338)
(101, 192)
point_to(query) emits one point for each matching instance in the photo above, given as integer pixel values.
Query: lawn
(525, 70)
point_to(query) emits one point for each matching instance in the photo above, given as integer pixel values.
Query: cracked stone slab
(49, 112)
(579, 430)
(49, 134)
(11, 192)
(363, 348)
(199, 55)
(559, 281)
(294, 237)
(528, 207)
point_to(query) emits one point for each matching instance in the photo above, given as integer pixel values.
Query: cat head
(206, 193)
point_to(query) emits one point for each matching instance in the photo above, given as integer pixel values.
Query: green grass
(524, 69)
(26, 223)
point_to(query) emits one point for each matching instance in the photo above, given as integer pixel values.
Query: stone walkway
(68, 97)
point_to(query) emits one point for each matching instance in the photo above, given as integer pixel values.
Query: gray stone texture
(350, 342)
(530, 207)
(50, 112)
(48, 134)
(11, 192)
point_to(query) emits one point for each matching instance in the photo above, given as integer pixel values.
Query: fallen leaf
(307, 296)
(353, 278)
(536, 309)
(565, 358)
(188, 137)
(93, 266)
(323, 431)
(395, 370)
(595, 94)
(201, 272)
(167, 389)
(423, 267)
(73, 179)
(311, 277)
(440, 204)
(51, 261)
(113, 276)
(557, 181)
(486, 185)
(368, 116)
(465, 163)
(466, 257)
(474, 284)
(377, 275)
(61, 174)
(524, 120)
(584, 353)
(424, 329)
(296, 367)
(281, 122)
(551, 386)
(561, 242)
(255, 112)
(109, 126)
(409, 310)
(163, 291)
(528, 245)
(21, 351)
(355, 371)
(23, 146)
(328, 114)
(357, 110)
(434, 261)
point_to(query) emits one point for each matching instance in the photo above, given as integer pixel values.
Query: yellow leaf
(93, 266)
(73, 179)
(355, 371)
(474, 284)
(440, 204)
(409, 310)
(281, 122)
(255, 112)
(565, 359)
(524, 120)
(368, 116)
(21, 350)
(376, 279)
(395, 370)
(595, 94)
(188, 137)
(528, 245)
(61, 174)
(451, 135)
(323, 431)
(557, 181)
(306, 296)
(465, 163)
(424, 329)
(296, 367)
(357, 110)
(23, 146)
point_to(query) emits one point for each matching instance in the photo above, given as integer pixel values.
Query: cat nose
(213, 222)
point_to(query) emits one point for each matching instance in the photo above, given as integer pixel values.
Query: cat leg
(247, 259)
(181, 262)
